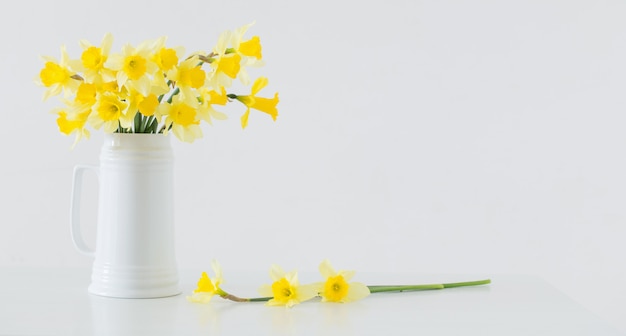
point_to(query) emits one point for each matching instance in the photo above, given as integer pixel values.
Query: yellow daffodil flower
(111, 112)
(182, 118)
(208, 98)
(226, 64)
(207, 288)
(249, 52)
(134, 67)
(225, 69)
(86, 94)
(188, 77)
(58, 76)
(251, 48)
(74, 118)
(112, 86)
(68, 125)
(146, 105)
(336, 287)
(286, 289)
(267, 105)
(92, 60)
(166, 58)
(229, 65)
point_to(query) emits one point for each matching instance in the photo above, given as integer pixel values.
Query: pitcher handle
(77, 183)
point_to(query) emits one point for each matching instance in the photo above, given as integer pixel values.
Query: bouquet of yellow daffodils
(152, 88)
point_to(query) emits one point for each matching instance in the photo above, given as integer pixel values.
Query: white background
(478, 137)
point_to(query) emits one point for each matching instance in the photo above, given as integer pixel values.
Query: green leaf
(176, 91)
(137, 122)
(152, 128)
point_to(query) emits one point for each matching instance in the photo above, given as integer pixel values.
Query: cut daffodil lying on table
(286, 290)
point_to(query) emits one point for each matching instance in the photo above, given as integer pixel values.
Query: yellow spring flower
(250, 52)
(86, 94)
(251, 48)
(188, 77)
(76, 123)
(109, 111)
(146, 105)
(207, 288)
(57, 76)
(74, 118)
(226, 64)
(92, 60)
(336, 287)
(182, 118)
(111, 86)
(229, 65)
(134, 67)
(286, 289)
(166, 59)
(208, 98)
(225, 69)
(267, 105)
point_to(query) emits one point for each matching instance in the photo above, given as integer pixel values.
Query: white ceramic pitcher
(134, 254)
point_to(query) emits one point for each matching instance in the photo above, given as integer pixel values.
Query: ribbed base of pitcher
(134, 283)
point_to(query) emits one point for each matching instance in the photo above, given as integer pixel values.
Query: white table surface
(56, 302)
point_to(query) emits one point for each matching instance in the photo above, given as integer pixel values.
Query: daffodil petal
(276, 273)
(347, 274)
(326, 269)
(244, 118)
(205, 285)
(292, 277)
(357, 291)
(308, 292)
(266, 290)
(259, 84)
(200, 297)
(217, 269)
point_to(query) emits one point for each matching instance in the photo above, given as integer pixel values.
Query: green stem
(147, 124)
(121, 129)
(160, 98)
(380, 289)
(402, 288)
(145, 121)
(153, 125)
(260, 299)
(175, 92)
(228, 296)
(467, 283)
(373, 289)
(137, 122)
